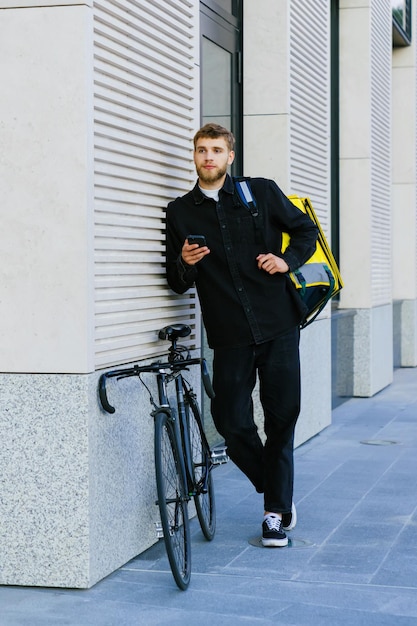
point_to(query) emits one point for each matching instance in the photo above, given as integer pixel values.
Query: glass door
(221, 68)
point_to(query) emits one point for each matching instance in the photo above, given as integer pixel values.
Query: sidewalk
(352, 559)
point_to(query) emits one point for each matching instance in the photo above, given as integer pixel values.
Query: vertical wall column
(46, 188)
(266, 90)
(46, 329)
(404, 202)
(77, 485)
(267, 153)
(365, 340)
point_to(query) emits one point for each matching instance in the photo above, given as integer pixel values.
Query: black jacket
(240, 304)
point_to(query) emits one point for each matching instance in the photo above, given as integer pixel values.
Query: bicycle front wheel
(203, 478)
(172, 501)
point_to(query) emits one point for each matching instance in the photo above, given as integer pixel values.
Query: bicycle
(183, 459)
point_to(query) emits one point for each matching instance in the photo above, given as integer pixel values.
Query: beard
(213, 175)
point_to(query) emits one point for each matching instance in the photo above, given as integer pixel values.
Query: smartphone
(200, 239)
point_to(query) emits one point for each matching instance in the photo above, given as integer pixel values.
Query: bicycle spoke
(203, 479)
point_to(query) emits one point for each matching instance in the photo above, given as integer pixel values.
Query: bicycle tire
(172, 502)
(204, 501)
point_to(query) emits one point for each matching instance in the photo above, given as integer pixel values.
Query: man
(250, 311)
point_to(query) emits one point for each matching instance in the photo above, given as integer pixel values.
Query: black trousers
(269, 467)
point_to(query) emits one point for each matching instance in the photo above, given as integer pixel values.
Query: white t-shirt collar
(210, 193)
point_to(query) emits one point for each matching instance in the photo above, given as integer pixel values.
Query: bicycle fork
(183, 432)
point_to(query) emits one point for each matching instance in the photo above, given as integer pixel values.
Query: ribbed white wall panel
(145, 92)
(310, 104)
(381, 61)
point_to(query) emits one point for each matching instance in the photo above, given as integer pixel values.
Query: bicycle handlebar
(154, 368)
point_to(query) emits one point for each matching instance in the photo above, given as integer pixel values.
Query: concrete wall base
(316, 384)
(364, 351)
(77, 484)
(405, 333)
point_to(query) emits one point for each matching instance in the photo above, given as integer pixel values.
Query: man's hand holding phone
(194, 249)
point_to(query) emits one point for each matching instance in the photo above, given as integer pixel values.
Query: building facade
(96, 124)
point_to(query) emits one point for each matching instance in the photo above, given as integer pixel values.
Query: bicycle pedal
(159, 531)
(219, 456)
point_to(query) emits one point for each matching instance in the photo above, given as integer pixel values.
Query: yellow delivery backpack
(319, 279)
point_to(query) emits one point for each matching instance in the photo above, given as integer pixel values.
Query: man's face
(211, 158)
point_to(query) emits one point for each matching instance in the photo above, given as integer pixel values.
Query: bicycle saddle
(174, 331)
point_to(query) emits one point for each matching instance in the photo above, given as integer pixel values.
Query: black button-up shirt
(241, 304)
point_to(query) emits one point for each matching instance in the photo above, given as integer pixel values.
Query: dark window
(401, 22)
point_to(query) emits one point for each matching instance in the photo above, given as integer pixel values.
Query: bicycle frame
(165, 372)
(163, 401)
(183, 431)
(180, 423)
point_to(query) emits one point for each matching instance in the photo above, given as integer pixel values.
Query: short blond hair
(213, 131)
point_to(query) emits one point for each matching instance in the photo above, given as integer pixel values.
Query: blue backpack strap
(244, 192)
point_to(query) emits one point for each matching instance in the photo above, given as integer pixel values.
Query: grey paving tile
(298, 615)
(381, 534)
(336, 563)
(368, 598)
(399, 568)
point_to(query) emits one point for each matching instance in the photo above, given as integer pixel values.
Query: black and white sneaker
(272, 534)
(289, 520)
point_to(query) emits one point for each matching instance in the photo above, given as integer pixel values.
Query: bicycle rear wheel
(173, 504)
(203, 478)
